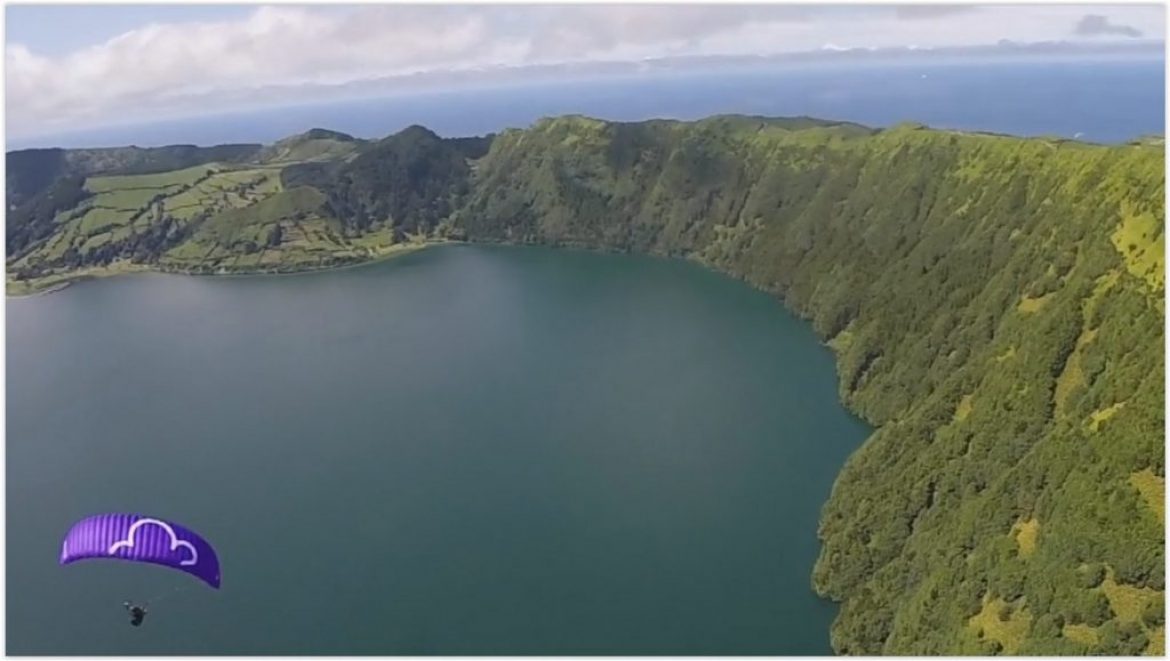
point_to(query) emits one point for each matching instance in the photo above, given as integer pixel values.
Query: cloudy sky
(70, 67)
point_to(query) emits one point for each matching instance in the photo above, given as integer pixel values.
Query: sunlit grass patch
(1157, 646)
(1081, 633)
(1141, 241)
(161, 180)
(1073, 375)
(1029, 305)
(1102, 415)
(374, 240)
(1153, 490)
(94, 242)
(1002, 622)
(1127, 601)
(1102, 286)
(964, 408)
(843, 340)
(97, 220)
(1026, 533)
(128, 199)
(58, 245)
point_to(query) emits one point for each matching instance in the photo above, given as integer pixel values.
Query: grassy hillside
(315, 200)
(313, 145)
(30, 171)
(995, 305)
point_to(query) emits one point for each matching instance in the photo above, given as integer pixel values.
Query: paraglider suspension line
(169, 593)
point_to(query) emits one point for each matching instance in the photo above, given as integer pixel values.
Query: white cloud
(155, 69)
(1092, 25)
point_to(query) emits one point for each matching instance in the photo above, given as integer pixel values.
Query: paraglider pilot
(137, 613)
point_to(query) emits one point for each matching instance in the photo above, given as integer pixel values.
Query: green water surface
(466, 450)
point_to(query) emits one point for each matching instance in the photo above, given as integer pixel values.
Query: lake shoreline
(43, 292)
(67, 279)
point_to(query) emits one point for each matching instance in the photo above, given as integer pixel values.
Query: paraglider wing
(141, 539)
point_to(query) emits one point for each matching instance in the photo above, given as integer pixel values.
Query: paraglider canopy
(140, 538)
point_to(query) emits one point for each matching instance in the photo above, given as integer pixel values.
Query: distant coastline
(1025, 99)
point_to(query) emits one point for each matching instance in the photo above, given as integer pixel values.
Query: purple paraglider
(141, 539)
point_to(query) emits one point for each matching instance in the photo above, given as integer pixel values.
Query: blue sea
(1096, 101)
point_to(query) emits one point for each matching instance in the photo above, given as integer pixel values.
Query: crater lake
(463, 450)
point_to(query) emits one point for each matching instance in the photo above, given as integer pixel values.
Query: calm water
(463, 450)
(1103, 101)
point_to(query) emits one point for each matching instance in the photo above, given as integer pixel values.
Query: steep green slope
(995, 304)
(1007, 346)
(410, 181)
